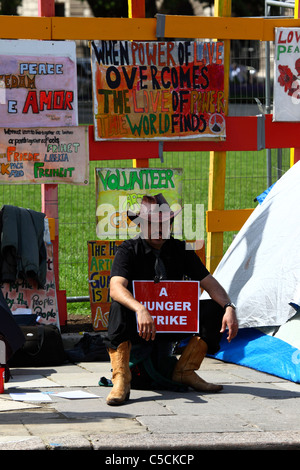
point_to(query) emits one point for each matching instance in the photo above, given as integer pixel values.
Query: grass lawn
(246, 177)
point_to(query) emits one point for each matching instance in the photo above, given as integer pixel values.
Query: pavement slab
(254, 411)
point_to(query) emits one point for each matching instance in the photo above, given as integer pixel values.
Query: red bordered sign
(174, 305)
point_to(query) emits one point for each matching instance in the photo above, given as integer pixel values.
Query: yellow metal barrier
(227, 220)
(141, 29)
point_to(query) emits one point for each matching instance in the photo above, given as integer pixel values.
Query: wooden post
(136, 9)
(49, 194)
(295, 152)
(217, 164)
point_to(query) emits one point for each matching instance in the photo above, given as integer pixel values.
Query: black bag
(43, 347)
(90, 348)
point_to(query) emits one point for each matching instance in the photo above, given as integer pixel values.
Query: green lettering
(135, 128)
(280, 50)
(169, 178)
(152, 121)
(37, 169)
(154, 176)
(136, 178)
(104, 181)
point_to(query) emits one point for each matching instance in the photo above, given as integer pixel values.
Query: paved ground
(254, 411)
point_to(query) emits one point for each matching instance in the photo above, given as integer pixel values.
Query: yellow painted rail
(226, 220)
(142, 29)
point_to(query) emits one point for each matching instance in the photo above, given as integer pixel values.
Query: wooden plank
(226, 220)
(217, 164)
(21, 27)
(137, 29)
(213, 27)
(141, 29)
(137, 9)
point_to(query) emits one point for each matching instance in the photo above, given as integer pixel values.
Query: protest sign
(44, 155)
(173, 305)
(121, 189)
(38, 83)
(100, 258)
(287, 75)
(158, 90)
(24, 296)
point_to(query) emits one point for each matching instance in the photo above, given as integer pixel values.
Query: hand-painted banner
(100, 258)
(44, 155)
(38, 83)
(158, 90)
(24, 296)
(121, 189)
(287, 75)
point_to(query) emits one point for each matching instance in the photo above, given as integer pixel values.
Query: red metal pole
(49, 193)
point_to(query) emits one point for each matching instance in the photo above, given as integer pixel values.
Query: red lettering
(280, 40)
(69, 96)
(151, 57)
(31, 101)
(45, 99)
(48, 100)
(58, 100)
(170, 47)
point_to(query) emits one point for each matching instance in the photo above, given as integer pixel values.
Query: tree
(119, 8)
(9, 7)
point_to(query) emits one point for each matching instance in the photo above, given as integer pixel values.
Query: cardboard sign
(38, 83)
(286, 75)
(121, 189)
(100, 258)
(24, 296)
(174, 305)
(158, 90)
(44, 155)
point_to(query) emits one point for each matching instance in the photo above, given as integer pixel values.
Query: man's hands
(146, 325)
(230, 321)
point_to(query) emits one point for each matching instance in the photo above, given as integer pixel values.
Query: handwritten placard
(158, 90)
(38, 83)
(121, 189)
(24, 295)
(173, 305)
(100, 258)
(286, 75)
(44, 155)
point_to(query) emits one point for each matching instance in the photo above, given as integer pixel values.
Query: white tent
(261, 273)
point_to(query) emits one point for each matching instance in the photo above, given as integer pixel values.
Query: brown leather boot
(189, 361)
(121, 375)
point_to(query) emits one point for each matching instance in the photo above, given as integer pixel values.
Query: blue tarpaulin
(265, 353)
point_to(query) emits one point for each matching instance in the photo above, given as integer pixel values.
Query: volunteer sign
(287, 75)
(173, 305)
(38, 83)
(158, 90)
(121, 189)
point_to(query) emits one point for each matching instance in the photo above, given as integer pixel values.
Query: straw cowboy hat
(154, 208)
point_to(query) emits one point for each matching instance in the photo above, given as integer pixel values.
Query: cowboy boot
(121, 375)
(189, 361)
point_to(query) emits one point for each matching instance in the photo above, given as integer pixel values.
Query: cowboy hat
(153, 208)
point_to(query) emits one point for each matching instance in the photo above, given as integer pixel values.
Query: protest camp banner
(44, 155)
(24, 297)
(287, 75)
(38, 83)
(121, 189)
(100, 258)
(173, 305)
(158, 90)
